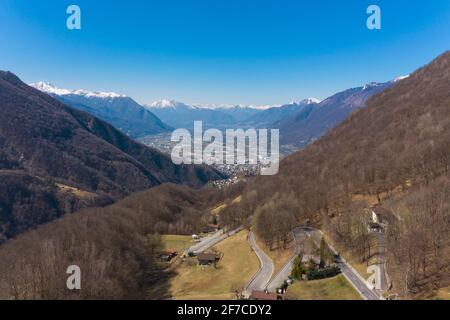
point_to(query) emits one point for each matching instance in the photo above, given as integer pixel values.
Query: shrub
(322, 273)
(299, 269)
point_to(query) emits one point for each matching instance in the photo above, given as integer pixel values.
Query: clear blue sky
(220, 51)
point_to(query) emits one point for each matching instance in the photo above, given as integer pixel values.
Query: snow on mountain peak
(310, 101)
(172, 104)
(51, 89)
(371, 85)
(103, 95)
(376, 84)
(307, 101)
(401, 78)
(212, 106)
(164, 104)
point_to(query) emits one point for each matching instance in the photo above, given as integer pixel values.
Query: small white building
(382, 216)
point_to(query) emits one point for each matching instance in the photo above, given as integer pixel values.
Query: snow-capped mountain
(310, 101)
(401, 78)
(274, 114)
(119, 110)
(240, 112)
(51, 89)
(181, 115)
(234, 106)
(169, 104)
(212, 106)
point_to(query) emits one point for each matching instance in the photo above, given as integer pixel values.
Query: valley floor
(238, 263)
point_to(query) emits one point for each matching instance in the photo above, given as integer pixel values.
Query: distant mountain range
(240, 113)
(300, 123)
(119, 110)
(180, 115)
(306, 125)
(270, 116)
(56, 159)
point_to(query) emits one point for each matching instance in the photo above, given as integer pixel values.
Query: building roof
(261, 295)
(169, 252)
(207, 257)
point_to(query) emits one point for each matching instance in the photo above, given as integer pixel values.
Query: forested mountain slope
(55, 159)
(113, 247)
(395, 152)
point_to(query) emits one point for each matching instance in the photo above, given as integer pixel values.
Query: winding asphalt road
(284, 273)
(261, 278)
(358, 283)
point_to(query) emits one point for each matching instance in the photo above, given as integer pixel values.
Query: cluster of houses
(220, 184)
(204, 259)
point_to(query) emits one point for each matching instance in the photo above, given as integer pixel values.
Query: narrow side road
(284, 273)
(212, 240)
(261, 278)
(359, 284)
